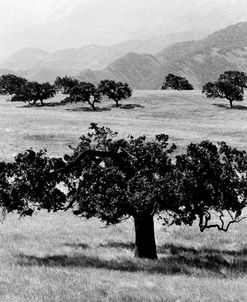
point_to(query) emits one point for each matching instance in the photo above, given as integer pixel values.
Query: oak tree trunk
(145, 246)
(231, 104)
(92, 105)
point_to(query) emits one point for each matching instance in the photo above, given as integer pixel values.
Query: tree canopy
(212, 177)
(77, 91)
(28, 184)
(115, 90)
(32, 92)
(85, 92)
(176, 82)
(23, 90)
(65, 84)
(236, 77)
(10, 84)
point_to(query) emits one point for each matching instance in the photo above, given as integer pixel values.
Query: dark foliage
(86, 93)
(32, 92)
(119, 176)
(5, 187)
(211, 178)
(32, 185)
(238, 78)
(176, 82)
(78, 91)
(10, 84)
(65, 84)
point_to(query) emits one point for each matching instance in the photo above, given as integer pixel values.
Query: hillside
(202, 61)
(199, 61)
(131, 68)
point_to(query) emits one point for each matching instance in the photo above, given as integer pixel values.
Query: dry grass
(58, 257)
(185, 116)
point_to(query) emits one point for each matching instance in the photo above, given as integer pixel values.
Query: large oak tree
(114, 179)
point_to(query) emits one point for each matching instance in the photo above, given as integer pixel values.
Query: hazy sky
(56, 24)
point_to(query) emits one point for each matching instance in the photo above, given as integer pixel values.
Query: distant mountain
(25, 59)
(41, 74)
(131, 68)
(202, 61)
(199, 61)
(40, 65)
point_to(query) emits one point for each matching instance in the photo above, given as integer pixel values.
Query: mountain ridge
(199, 61)
(33, 61)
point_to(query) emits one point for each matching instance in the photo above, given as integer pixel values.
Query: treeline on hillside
(114, 179)
(230, 85)
(22, 90)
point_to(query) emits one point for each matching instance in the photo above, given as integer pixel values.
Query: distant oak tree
(78, 92)
(115, 90)
(32, 92)
(64, 84)
(176, 82)
(230, 85)
(84, 92)
(10, 84)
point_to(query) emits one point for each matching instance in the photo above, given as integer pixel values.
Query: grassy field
(185, 116)
(58, 257)
(62, 258)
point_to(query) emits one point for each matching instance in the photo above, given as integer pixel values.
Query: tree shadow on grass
(178, 260)
(131, 106)
(110, 244)
(38, 105)
(235, 107)
(180, 249)
(87, 109)
(119, 245)
(82, 246)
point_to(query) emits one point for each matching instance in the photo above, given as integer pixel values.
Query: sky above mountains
(58, 24)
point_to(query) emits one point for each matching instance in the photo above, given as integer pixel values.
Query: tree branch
(206, 217)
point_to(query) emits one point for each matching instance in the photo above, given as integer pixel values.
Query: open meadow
(186, 116)
(58, 257)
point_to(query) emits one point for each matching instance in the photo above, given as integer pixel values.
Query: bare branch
(206, 217)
